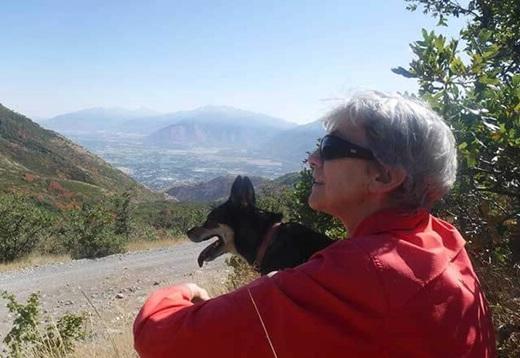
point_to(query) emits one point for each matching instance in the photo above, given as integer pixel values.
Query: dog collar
(264, 245)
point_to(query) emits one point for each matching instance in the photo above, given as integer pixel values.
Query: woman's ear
(386, 179)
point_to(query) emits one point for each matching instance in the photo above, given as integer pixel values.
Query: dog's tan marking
(228, 235)
(224, 231)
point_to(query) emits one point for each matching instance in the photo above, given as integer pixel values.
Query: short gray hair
(403, 132)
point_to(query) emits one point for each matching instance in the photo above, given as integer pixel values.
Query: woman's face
(340, 185)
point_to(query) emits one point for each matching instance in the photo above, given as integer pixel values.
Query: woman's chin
(315, 200)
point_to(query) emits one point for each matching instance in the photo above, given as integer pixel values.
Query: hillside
(49, 167)
(218, 189)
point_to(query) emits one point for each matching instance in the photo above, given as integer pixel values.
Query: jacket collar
(391, 220)
(411, 221)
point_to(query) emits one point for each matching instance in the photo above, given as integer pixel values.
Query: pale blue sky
(283, 58)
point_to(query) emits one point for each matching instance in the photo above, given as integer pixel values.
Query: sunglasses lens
(331, 149)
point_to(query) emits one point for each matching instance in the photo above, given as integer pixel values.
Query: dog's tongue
(209, 253)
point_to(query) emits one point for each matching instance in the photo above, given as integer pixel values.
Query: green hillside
(51, 168)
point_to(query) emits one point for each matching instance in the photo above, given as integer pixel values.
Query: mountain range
(218, 126)
(97, 119)
(222, 127)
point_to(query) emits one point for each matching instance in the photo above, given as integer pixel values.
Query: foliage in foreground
(30, 336)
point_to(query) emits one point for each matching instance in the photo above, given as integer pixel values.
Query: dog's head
(222, 221)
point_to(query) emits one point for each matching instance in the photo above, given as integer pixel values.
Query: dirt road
(114, 284)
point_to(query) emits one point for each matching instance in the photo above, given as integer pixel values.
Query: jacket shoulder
(406, 261)
(345, 271)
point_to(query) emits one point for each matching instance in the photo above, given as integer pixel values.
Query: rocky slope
(46, 165)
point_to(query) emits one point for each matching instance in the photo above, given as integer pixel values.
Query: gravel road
(112, 284)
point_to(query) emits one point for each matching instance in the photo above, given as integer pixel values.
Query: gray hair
(406, 133)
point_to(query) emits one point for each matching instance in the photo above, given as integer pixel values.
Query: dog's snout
(192, 234)
(197, 234)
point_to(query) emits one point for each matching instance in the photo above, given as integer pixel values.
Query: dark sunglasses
(332, 147)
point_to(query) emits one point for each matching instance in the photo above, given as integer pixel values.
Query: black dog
(258, 236)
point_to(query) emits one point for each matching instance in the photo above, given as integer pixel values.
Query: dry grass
(112, 328)
(142, 245)
(111, 337)
(32, 261)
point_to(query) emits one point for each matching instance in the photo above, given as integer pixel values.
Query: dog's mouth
(213, 251)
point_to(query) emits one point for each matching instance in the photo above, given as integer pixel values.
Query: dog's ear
(234, 197)
(249, 192)
(242, 193)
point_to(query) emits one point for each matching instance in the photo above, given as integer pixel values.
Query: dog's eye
(211, 224)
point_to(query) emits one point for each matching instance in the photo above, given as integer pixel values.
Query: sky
(291, 59)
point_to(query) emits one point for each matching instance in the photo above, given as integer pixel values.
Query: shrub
(241, 273)
(89, 232)
(22, 226)
(179, 218)
(123, 224)
(30, 337)
(144, 232)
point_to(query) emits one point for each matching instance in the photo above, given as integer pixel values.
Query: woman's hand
(198, 294)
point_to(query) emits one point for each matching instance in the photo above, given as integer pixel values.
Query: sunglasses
(332, 147)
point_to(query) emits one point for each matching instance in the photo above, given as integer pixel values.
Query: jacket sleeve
(169, 325)
(327, 304)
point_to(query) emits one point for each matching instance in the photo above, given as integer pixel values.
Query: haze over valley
(163, 150)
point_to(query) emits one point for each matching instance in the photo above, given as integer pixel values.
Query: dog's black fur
(241, 227)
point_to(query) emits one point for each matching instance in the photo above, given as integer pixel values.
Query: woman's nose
(314, 159)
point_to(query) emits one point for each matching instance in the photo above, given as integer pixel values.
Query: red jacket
(401, 286)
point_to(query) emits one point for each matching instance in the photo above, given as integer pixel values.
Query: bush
(29, 337)
(89, 232)
(241, 273)
(144, 232)
(123, 224)
(179, 218)
(22, 227)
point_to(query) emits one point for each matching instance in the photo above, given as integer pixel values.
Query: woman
(401, 285)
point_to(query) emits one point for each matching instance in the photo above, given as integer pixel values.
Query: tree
(474, 83)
